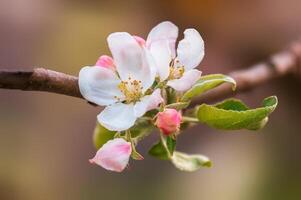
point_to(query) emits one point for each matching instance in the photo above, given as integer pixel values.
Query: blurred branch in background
(283, 63)
(278, 65)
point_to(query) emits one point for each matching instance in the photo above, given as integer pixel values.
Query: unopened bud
(169, 121)
(106, 62)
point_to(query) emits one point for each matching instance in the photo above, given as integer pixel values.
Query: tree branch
(40, 79)
(286, 62)
(281, 64)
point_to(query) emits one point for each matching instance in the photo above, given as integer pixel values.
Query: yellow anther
(131, 89)
(176, 72)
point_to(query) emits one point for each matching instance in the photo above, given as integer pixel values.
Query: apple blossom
(113, 155)
(178, 69)
(169, 121)
(124, 92)
(131, 82)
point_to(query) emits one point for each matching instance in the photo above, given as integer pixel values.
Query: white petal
(191, 49)
(164, 31)
(99, 85)
(113, 155)
(148, 61)
(188, 79)
(161, 53)
(129, 58)
(148, 102)
(117, 117)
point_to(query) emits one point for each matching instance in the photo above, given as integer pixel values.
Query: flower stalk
(190, 119)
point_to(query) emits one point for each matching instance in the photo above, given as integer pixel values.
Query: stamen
(175, 71)
(131, 89)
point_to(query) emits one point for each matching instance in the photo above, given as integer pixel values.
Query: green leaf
(141, 129)
(258, 125)
(178, 105)
(190, 163)
(206, 83)
(101, 135)
(171, 144)
(232, 104)
(233, 114)
(159, 151)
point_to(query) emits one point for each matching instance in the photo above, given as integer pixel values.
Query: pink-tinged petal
(169, 121)
(184, 83)
(162, 55)
(99, 85)
(117, 117)
(140, 40)
(113, 155)
(164, 31)
(129, 58)
(191, 49)
(148, 102)
(106, 62)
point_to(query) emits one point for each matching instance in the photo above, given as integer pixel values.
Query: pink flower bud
(140, 40)
(169, 121)
(106, 62)
(113, 155)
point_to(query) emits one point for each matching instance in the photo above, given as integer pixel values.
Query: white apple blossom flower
(113, 155)
(176, 66)
(123, 91)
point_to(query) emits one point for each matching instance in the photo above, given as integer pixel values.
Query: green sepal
(135, 154)
(101, 135)
(189, 163)
(206, 83)
(232, 114)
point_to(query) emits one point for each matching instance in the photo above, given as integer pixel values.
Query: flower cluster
(130, 83)
(146, 84)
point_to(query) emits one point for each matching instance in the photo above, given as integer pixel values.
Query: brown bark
(40, 79)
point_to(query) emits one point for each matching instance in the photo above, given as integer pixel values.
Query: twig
(281, 64)
(40, 79)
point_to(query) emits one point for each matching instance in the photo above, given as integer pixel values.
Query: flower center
(131, 89)
(175, 70)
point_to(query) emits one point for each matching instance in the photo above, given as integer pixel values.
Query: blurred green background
(45, 139)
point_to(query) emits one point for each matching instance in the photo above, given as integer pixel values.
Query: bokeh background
(45, 139)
